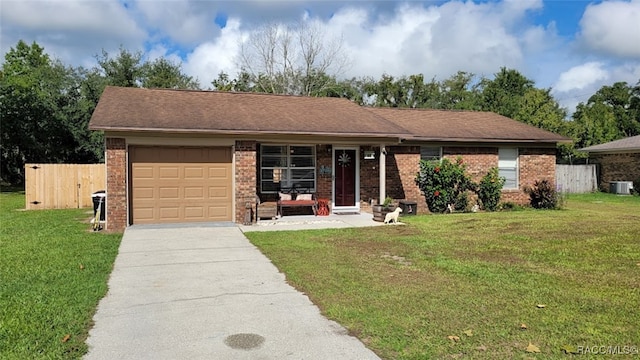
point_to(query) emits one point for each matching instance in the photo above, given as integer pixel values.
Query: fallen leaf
(468, 333)
(532, 348)
(81, 267)
(481, 348)
(523, 326)
(453, 338)
(540, 306)
(569, 349)
(66, 338)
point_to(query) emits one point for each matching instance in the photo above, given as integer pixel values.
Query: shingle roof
(211, 112)
(136, 109)
(630, 144)
(455, 125)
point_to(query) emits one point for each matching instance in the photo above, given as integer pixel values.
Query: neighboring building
(182, 156)
(617, 160)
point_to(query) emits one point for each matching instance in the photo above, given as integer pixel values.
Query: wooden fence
(576, 179)
(62, 186)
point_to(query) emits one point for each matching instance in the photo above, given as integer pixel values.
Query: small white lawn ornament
(392, 216)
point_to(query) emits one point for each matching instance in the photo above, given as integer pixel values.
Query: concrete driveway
(204, 292)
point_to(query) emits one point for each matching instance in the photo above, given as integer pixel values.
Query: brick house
(189, 156)
(617, 160)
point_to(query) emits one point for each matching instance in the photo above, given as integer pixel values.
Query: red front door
(345, 180)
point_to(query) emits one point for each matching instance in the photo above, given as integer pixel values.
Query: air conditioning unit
(620, 187)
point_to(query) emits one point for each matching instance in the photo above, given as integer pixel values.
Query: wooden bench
(296, 201)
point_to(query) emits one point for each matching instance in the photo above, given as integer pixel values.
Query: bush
(510, 206)
(444, 183)
(490, 189)
(543, 195)
(636, 187)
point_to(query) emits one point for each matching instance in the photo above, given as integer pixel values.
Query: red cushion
(297, 202)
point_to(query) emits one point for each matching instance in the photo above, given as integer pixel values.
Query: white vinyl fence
(576, 179)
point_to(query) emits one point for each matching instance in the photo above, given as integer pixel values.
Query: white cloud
(103, 16)
(184, 22)
(208, 59)
(612, 28)
(580, 77)
(435, 40)
(73, 31)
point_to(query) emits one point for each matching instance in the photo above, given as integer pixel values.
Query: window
(429, 153)
(286, 166)
(508, 166)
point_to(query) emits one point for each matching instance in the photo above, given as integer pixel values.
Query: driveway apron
(205, 292)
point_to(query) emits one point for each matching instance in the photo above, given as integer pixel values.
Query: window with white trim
(429, 153)
(508, 167)
(287, 166)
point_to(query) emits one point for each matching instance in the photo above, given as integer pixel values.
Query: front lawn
(53, 272)
(483, 285)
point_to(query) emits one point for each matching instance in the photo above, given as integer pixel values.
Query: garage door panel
(169, 193)
(145, 192)
(218, 192)
(195, 212)
(169, 213)
(169, 172)
(143, 213)
(191, 172)
(194, 193)
(145, 172)
(218, 172)
(219, 211)
(173, 184)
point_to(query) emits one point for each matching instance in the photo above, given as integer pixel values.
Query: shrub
(636, 187)
(490, 189)
(388, 203)
(510, 206)
(543, 195)
(443, 183)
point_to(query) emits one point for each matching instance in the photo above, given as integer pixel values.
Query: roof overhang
(291, 136)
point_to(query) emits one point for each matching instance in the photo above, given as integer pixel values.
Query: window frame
(286, 172)
(511, 165)
(431, 158)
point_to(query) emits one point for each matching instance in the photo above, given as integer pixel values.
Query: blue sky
(571, 46)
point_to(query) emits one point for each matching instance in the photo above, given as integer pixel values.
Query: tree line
(45, 105)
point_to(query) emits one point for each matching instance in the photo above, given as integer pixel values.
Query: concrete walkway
(205, 292)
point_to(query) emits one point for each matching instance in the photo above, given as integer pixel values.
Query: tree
(162, 73)
(125, 70)
(620, 98)
(459, 92)
(40, 110)
(503, 95)
(297, 60)
(594, 123)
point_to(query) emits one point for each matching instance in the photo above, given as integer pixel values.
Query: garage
(180, 184)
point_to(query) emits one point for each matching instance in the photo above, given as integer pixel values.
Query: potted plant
(381, 210)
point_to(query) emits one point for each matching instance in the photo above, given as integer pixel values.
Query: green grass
(403, 290)
(53, 272)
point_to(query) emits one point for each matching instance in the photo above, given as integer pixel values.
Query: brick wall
(369, 178)
(245, 177)
(534, 164)
(323, 181)
(116, 205)
(402, 164)
(616, 167)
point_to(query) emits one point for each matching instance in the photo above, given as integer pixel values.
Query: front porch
(346, 177)
(309, 222)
